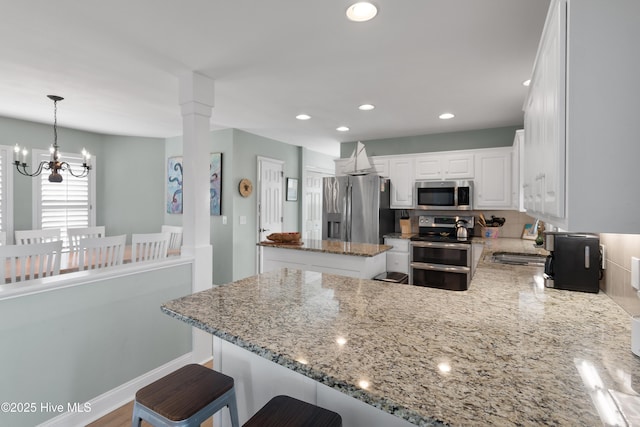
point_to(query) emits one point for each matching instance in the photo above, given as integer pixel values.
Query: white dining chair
(29, 237)
(75, 234)
(3, 237)
(175, 242)
(149, 246)
(27, 262)
(101, 252)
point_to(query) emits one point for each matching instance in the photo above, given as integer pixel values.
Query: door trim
(259, 161)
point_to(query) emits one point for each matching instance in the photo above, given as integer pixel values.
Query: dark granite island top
(506, 352)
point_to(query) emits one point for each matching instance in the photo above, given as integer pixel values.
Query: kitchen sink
(518, 258)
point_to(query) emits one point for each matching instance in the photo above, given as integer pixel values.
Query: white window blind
(66, 204)
(6, 191)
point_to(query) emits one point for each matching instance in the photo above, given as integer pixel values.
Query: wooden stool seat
(285, 411)
(185, 397)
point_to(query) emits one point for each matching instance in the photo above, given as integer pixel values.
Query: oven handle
(440, 267)
(427, 244)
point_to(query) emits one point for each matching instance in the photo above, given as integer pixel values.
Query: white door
(312, 213)
(270, 189)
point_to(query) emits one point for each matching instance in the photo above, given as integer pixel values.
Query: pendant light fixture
(54, 165)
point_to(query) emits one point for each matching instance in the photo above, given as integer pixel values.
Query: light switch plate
(224, 220)
(635, 272)
(243, 220)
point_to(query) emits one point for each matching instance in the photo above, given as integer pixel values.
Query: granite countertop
(508, 351)
(332, 247)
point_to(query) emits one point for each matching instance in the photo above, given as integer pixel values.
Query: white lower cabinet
(398, 258)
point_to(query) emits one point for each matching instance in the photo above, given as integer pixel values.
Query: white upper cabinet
(445, 166)
(402, 182)
(380, 166)
(341, 166)
(517, 172)
(545, 122)
(580, 151)
(493, 180)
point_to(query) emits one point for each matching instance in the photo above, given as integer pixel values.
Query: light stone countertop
(332, 247)
(508, 351)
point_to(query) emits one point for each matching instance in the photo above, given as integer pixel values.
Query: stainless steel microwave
(444, 195)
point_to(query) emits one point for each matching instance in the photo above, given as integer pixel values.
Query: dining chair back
(149, 246)
(29, 237)
(75, 234)
(26, 262)
(101, 252)
(175, 242)
(3, 237)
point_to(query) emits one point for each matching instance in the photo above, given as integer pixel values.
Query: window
(6, 191)
(66, 204)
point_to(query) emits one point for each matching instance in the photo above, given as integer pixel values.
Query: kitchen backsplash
(619, 248)
(513, 225)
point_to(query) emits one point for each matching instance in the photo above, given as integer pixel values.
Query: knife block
(405, 226)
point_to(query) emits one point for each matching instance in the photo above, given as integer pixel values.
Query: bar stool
(185, 398)
(285, 411)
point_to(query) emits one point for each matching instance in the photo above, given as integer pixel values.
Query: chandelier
(54, 165)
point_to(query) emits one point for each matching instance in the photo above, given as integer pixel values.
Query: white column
(196, 99)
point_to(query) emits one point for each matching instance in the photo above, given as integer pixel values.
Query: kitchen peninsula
(506, 352)
(361, 260)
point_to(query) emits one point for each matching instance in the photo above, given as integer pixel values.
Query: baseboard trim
(115, 398)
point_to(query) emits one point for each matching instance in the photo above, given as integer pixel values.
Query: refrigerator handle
(348, 212)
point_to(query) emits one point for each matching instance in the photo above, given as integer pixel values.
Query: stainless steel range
(439, 259)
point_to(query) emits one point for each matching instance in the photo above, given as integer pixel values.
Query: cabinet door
(458, 166)
(428, 167)
(493, 179)
(517, 172)
(402, 181)
(445, 166)
(381, 166)
(398, 261)
(340, 166)
(545, 122)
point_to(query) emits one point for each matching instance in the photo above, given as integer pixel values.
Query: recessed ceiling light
(361, 11)
(366, 107)
(303, 117)
(446, 116)
(526, 82)
(342, 128)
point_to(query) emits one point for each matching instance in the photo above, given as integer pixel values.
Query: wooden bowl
(289, 237)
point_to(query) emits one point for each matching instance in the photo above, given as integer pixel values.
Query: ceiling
(117, 63)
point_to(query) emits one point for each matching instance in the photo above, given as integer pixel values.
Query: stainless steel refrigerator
(355, 208)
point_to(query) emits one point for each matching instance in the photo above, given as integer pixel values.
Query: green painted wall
(128, 170)
(73, 344)
(129, 189)
(247, 147)
(40, 136)
(467, 140)
(221, 234)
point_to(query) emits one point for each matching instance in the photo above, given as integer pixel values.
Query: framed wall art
(292, 189)
(174, 185)
(215, 182)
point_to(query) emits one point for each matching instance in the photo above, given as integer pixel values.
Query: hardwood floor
(121, 417)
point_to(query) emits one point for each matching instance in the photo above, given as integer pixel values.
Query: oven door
(439, 276)
(441, 265)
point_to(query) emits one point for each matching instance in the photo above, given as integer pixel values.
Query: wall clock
(245, 188)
